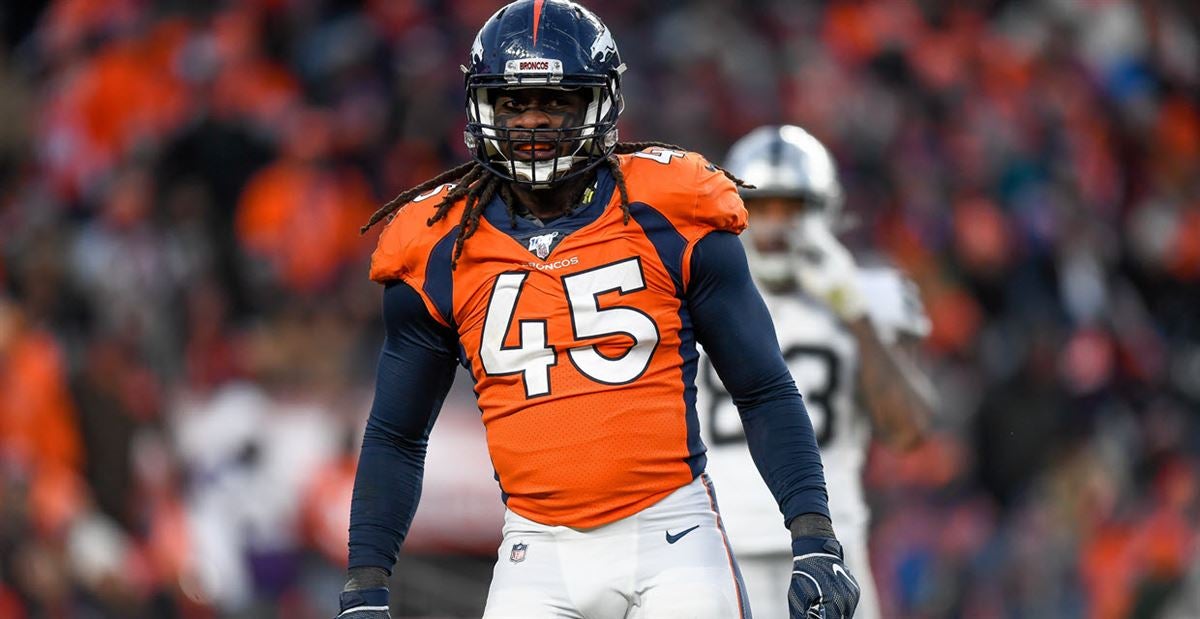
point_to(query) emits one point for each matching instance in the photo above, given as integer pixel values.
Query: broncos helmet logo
(603, 46)
(477, 48)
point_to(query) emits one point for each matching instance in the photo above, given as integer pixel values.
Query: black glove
(364, 604)
(822, 587)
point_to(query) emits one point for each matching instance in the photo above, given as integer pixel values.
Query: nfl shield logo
(518, 552)
(540, 245)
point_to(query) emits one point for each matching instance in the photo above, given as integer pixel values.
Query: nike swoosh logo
(837, 569)
(671, 539)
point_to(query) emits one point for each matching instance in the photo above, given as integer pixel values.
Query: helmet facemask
(547, 44)
(775, 245)
(579, 147)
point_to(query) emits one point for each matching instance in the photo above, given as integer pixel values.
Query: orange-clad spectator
(167, 550)
(1108, 569)
(124, 96)
(38, 428)
(956, 318)
(10, 604)
(67, 24)
(256, 89)
(1168, 531)
(936, 462)
(1177, 138)
(39, 432)
(983, 239)
(1183, 259)
(300, 216)
(1120, 559)
(128, 92)
(246, 84)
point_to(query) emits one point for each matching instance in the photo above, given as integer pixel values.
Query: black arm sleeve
(416, 368)
(733, 325)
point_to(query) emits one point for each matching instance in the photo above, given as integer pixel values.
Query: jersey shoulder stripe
(668, 243)
(686, 193)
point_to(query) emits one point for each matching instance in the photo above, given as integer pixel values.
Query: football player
(573, 275)
(840, 328)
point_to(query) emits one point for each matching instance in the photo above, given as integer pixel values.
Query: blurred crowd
(188, 336)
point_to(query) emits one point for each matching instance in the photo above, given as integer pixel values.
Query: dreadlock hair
(480, 185)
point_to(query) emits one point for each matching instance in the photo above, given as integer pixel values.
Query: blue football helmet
(543, 44)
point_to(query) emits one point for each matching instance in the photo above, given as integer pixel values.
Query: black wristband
(811, 525)
(359, 578)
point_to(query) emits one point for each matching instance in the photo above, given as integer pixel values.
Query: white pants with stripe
(671, 560)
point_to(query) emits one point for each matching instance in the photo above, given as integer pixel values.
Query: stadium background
(187, 334)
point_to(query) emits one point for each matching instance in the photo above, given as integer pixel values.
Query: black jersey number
(817, 371)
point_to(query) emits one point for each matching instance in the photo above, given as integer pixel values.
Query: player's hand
(827, 271)
(822, 587)
(364, 604)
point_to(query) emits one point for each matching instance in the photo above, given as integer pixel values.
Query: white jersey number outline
(661, 155)
(532, 357)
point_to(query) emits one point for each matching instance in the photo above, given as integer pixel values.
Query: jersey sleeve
(408, 246)
(718, 208)
(734, 326)
(718, 205)
(416, 368)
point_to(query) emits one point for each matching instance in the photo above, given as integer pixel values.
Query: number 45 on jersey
(533, 357)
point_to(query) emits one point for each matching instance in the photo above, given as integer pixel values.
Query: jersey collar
(595, 198)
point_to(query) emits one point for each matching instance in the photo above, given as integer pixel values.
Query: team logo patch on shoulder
(540, 245)
(518, 552)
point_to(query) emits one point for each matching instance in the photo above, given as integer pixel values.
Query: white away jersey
(823, 358)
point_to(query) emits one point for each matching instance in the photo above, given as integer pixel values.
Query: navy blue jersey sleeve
(733, 325)
(416, 368)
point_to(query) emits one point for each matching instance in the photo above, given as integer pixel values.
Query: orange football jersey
(583, 358)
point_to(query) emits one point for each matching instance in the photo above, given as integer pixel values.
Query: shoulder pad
(407, 240)
(895, 305)
(692, 193)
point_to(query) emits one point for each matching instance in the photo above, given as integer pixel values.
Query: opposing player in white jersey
(840, 328)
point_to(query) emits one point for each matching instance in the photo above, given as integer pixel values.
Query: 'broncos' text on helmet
(795, 187)
(546, 44)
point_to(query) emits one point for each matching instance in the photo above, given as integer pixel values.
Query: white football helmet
(784, 162)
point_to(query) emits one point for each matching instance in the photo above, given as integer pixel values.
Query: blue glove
(822, 587)
(364, 604)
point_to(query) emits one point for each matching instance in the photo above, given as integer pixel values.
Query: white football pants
(671, 560)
